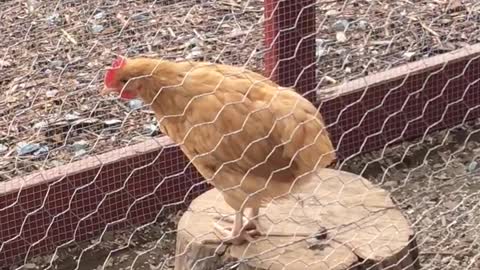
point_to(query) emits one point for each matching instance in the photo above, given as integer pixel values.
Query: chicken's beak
(106, 90)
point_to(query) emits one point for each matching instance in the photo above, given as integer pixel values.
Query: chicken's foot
(237, 235)
(251, 221)
(240, 233)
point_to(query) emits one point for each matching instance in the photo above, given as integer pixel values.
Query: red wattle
(127, 95)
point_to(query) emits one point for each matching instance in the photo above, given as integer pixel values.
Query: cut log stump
(344, 222)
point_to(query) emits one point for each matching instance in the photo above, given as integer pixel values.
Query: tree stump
(362, 229)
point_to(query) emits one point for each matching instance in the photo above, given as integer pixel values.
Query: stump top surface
(361, 222)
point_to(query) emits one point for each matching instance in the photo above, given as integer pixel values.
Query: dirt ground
(52, 56)
(435, 181)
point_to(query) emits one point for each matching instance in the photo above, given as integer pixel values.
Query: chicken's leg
(251, 219)
(237, 234)
(252, 223)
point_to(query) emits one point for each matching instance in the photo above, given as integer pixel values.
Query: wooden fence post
(290, 44)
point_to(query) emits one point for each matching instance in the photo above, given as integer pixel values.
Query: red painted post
(290, 44)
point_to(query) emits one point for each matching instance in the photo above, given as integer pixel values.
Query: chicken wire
(53, 55)
(52, 60)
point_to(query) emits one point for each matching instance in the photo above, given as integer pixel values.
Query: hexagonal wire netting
(89, 181)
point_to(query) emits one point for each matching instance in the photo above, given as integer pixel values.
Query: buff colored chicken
(249, 137)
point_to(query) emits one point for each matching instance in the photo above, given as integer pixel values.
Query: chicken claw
(232, 237)
(251, 224)
(238, 233)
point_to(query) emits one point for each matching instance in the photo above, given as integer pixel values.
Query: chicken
(247, 136)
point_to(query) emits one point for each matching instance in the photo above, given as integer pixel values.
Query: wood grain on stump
(363, 229)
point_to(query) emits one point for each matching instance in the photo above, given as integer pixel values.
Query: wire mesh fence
(53, 56)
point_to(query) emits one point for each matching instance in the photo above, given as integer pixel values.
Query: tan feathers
(246, 135)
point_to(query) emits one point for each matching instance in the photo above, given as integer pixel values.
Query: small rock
(139, 17)
(56, 63)
(151, 129)
(446, 47)
(3, 148)
(427, 221)
(99, 15)
(332, 12)
(51, 93)
(135, 104)
(445, 260)
(11, 99)
(236, 32)
(472, 166)
(4, 63)
(42, 150)
(320, 50)
(340, 52)
(85, 121)
(193, 42)
(442, 176)
(24, 148)
(390, 184)
(97, 28)
(53, 19)
(41, 124)
(124, 258)
(80, 152)
(445, 21)
(363, 25)
(30, 266)
(195, 53)
(111, 122)
(340, 25)
(38, 260)
(56, 163)
(72, 116)
(77, 146)
(320, 42)
(450, 204)
(408, 55)
(32, 5)
(341, 37)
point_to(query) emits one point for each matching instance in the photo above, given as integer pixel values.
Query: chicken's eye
(124, 81)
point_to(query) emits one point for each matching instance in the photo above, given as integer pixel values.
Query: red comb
(116, 64)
